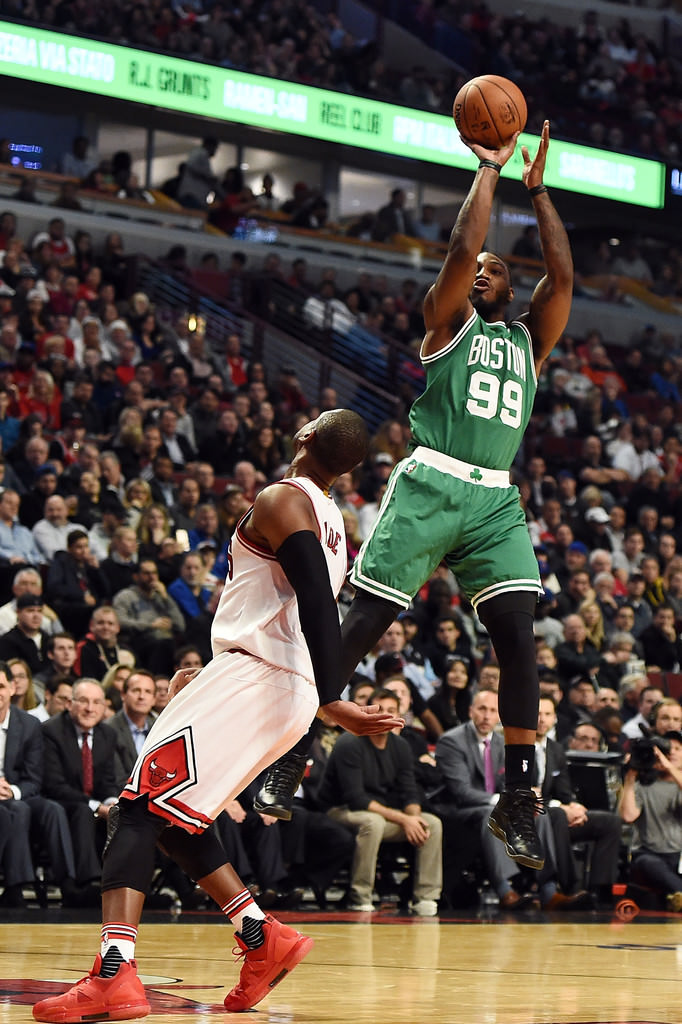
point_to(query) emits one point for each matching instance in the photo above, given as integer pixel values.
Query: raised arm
(447, 302)
(551, 302)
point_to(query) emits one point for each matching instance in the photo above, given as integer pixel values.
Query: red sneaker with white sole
(265, 967)
(93, 998)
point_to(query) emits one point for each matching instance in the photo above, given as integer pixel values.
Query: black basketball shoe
(513, 821)
(276, 795)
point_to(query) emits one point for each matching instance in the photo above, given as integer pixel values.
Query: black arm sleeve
(305, 567)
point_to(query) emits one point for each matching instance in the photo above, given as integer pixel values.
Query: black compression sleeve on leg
(198, 855)
(509, 620)
(305, 566)
(305, 743)
(366, 621)
(128, 861)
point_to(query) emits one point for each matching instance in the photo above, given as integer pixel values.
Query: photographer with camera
(652, 800)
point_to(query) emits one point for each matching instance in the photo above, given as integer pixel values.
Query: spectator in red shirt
(44, 399)
(238, 366)
(60, 246)
(128, 358)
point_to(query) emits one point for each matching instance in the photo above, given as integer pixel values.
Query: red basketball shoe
(93, 998)
(266, 966)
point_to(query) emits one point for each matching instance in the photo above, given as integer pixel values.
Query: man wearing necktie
(80, 751)
(571, 821)
(15, 814)
(471, 760)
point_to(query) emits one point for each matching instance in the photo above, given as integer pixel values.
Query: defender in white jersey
(277, 647)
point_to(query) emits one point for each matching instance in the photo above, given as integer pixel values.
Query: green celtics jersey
(479, 394)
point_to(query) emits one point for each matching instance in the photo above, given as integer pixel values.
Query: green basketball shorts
(439, 509)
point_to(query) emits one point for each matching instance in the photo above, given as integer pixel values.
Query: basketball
(489, 109)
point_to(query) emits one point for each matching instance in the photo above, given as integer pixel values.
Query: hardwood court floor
(395, 972)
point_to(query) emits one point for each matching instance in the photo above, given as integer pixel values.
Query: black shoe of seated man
(512, 901)
(280, 899)
(159, 901)
(276, 795)
(194, 899)
(513, 821)
(12, 897)
(320, 897)
(74, 895)
(562, 903)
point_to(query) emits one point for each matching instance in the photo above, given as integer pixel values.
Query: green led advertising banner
(225, 95)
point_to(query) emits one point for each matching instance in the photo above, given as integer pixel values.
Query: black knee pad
(197, 854)
(132, 835)
(509, 620)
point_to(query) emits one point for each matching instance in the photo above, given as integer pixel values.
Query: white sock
(123, 936)
(242, 905)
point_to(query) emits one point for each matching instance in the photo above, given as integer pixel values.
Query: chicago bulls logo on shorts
(158, 774)
(166, 772)
(166, 767)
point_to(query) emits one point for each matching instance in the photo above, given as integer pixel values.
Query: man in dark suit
(20, 786)
(471, 760)
(26, 640)
(83, 783)
(15, 815)
(571, 821)
(174, 444)
(164, 491)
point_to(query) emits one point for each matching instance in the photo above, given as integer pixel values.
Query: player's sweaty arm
(550, 304)
(447, 301)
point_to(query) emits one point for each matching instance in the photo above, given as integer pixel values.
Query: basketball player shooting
(451, 498)
(277, 663)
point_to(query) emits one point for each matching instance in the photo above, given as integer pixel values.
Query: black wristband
(490, 163)
(537, 190)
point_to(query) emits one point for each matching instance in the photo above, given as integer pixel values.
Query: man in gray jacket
(471, 760)
(150, 619)
(133, 722)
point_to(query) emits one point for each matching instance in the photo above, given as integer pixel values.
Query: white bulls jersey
(258, 611)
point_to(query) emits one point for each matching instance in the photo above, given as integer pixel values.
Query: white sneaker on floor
(362, 908)
(425, 908)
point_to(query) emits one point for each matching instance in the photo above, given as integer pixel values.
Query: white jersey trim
(293, 483)
(450, 345)
(531, 354)
(256, 549)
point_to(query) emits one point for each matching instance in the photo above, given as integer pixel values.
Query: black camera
(642, 757)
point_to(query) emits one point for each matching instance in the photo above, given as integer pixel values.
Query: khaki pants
(371, 830)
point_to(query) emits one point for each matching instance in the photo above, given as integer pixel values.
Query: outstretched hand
(361, 721)
(499, 156)
(534, 169)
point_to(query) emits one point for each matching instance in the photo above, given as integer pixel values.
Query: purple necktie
(488, 766)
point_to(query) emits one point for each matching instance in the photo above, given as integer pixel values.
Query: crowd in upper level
(608, 85)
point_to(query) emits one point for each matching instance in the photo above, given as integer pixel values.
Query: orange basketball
(489, 109)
